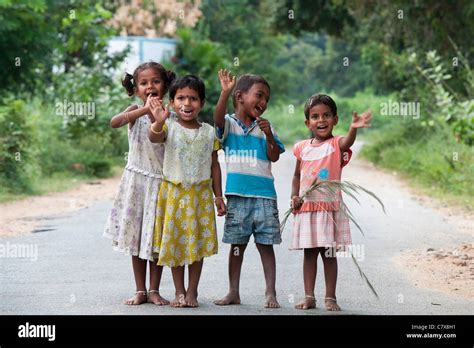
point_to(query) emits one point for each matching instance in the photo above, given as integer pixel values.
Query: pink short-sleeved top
(323, 161)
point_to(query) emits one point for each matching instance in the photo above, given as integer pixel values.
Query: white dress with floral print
(131, 222)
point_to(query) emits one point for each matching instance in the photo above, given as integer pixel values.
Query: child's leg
(330, 276)
(269, 269)
(194, 275)
(180, 292)
(139, 272)
(155, 279)
(310, 266)
(236, 256)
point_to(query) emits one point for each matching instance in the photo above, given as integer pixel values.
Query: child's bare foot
(229, 299)
(155, 298)
(307, 303)
(139, 298)
(179, 301)
(271, 301)
(191, 299)
(331, 304)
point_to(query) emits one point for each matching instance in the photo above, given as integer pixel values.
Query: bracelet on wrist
(155, 132)
(126, 117)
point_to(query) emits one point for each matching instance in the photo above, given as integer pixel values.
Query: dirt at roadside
(28, 214)
(447, 270)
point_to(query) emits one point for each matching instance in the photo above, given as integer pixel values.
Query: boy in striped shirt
(250, 144)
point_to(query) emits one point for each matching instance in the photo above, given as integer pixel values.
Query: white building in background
(142, 49)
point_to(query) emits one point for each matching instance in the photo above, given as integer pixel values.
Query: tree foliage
(38, 35)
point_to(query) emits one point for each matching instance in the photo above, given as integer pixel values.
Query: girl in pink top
(320, 227)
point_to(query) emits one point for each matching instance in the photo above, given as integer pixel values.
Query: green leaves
(18, 156)
(37, 35)
(450, 106)
(331, 189)
(202, 57)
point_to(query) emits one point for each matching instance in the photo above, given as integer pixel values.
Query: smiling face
(253, 103)
(321, 121)
(187, 104)
(149, 81)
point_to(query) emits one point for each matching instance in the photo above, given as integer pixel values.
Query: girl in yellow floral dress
(185, 227)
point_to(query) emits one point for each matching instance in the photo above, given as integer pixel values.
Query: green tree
(244, 27)
(322, 16)
(37, 35)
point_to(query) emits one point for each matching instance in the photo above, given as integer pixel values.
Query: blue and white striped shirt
(249, 172)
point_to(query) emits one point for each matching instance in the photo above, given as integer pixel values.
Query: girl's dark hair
(129, 81)
(316, 99)
(245, 82)
(190, 81)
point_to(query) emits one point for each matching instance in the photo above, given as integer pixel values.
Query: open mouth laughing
(187, 112)
(259, 109)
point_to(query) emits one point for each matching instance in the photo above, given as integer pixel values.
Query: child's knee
(264, 248)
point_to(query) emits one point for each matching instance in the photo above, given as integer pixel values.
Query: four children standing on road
(164, 211)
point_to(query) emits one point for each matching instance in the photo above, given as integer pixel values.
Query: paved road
(77, 272)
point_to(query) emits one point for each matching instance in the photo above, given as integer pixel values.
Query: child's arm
(296, 201)
(121, 119)
(227, 85)
(156, 134)
(362, 121)
(129, 115)
(217, 185)
(273, 151)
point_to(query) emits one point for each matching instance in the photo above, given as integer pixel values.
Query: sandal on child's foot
(155, 298)
(331, 304)
(307, 303)
(139, 298)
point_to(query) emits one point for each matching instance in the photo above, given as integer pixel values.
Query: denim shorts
(246, 216)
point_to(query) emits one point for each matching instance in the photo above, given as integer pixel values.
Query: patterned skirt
(317, 229)
(185, 227)
(131, 222)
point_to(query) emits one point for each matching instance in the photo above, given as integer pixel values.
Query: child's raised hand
(159, 112)
(362, 121)
(149, 98)
(220, 205)
(227, 81)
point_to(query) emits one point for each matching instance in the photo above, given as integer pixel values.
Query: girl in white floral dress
(131, 222)
(185, 229)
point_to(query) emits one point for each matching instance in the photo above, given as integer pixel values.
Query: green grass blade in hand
(362, 274)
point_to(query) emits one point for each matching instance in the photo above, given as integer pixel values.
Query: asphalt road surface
(72, 269)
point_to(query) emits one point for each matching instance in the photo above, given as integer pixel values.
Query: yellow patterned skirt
(185, 226)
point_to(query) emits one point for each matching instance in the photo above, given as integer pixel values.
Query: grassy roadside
(429, 159)
(58, 182)
(435, 164)
(43, 151)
